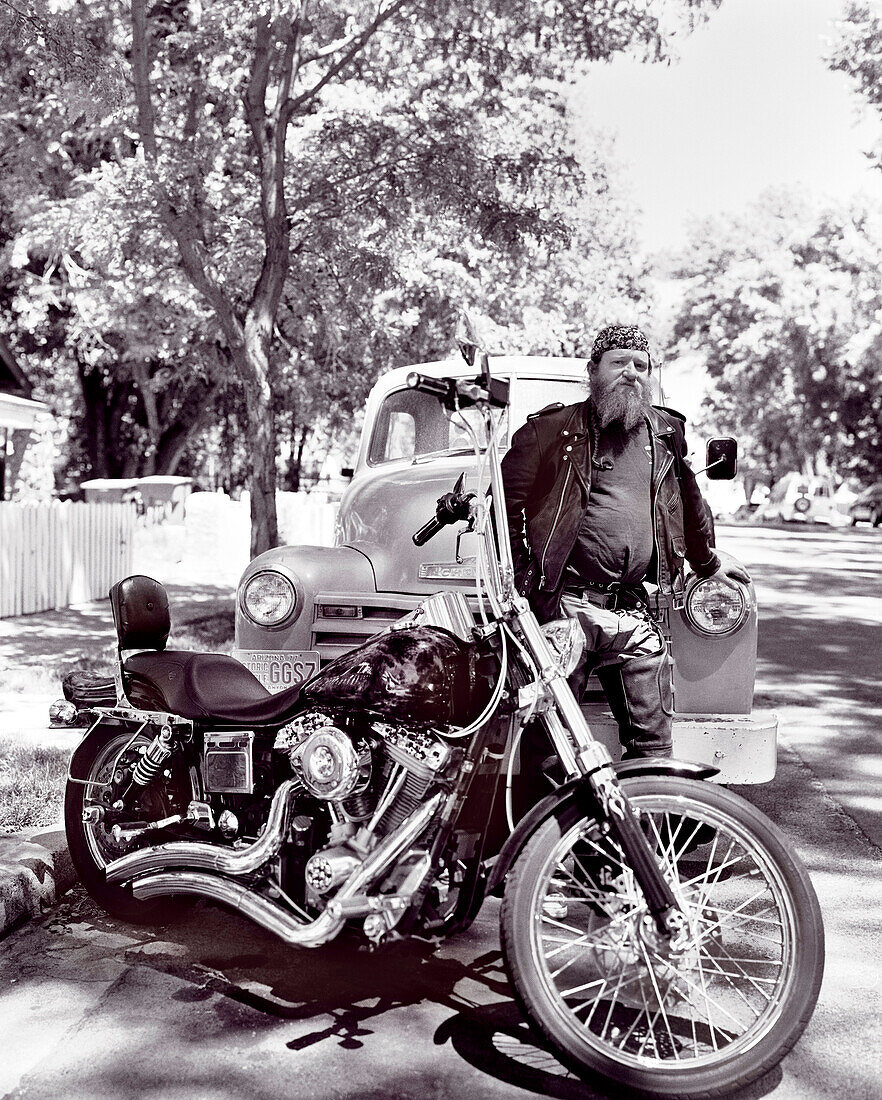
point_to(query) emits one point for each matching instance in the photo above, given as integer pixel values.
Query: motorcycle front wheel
(614, 999)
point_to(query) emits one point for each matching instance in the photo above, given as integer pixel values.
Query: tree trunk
(299, 437)
(252, 364)
(141, 376)
(94, 420)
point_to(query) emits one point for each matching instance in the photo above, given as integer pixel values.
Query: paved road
(212, 1007)
(819, 653)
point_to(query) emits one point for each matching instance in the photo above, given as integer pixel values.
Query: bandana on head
(618, 336)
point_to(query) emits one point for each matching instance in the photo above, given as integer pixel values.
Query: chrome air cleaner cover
(330, 765)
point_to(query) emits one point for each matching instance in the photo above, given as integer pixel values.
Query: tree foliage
(857, 51)
(784, 304)
(301, 192)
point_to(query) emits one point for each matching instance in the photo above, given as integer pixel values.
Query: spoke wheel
(109, 750)
(692, 1018)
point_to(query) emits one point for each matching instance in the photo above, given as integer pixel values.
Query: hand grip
(427, 531)
(437, 387)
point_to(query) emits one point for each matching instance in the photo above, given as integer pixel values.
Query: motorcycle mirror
(467, 337)
(721, 458)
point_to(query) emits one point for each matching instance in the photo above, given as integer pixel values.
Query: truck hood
(383, 508)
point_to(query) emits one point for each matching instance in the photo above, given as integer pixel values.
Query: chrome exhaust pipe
(273, 917)
(254, 906)
(211, 857)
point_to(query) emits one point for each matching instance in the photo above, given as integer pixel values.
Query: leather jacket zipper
(657, 484)
(553, 526)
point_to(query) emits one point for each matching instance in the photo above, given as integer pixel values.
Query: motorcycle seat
(204, 687)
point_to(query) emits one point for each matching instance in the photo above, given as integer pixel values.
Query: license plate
(279, 669)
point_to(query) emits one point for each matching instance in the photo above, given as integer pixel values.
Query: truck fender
(311, 569)
(624, 769)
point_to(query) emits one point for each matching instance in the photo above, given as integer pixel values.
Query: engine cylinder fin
(409, 798)
(358, 807)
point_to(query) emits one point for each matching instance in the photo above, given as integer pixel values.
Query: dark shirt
(615, 537)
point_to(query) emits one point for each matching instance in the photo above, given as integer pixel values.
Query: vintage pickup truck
(299, 607)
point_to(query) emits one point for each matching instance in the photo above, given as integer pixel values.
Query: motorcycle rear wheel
(92, 847)
(612, 998)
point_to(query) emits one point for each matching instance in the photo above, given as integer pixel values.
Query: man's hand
(729, 570)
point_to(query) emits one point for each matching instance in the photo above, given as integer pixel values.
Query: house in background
(19, 416)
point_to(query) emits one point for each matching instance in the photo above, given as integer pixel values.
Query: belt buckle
(600, 599)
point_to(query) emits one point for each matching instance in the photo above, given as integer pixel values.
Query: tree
(289, 152)
(857, 51)
(114, 334)
(784, 306)
(148, 375)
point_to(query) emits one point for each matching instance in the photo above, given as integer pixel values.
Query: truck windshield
(411, 424)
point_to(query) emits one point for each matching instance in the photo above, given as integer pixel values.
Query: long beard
(621, 404)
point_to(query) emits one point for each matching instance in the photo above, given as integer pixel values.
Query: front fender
(624, 769)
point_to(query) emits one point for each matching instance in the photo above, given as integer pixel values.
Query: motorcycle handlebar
(441, 388)
(449, 508)
(427, 531)
(459, 391)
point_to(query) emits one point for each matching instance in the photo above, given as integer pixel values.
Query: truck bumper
(742, 746)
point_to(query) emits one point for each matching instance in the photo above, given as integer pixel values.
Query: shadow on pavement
(86, 633)
(250, 983)
(496, 1040)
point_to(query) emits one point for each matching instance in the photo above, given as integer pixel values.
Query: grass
(213, 633)
(32, 781)
(32, 776)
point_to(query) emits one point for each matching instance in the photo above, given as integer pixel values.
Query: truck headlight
(269, 598)
(567, 640)
(714, 607)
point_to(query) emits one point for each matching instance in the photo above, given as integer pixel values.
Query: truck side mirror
(721, 458)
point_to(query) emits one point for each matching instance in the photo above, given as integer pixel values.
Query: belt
(613, 595)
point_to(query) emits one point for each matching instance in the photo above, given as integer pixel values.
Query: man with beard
(599, 498)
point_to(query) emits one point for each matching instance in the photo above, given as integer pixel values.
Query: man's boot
(639, 694)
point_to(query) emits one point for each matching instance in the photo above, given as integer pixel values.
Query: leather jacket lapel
(660, 434)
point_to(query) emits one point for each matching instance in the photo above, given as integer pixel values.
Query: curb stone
(35, 870)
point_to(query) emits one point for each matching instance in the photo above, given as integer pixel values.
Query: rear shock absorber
(154, 758)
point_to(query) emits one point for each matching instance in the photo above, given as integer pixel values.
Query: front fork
(583, 756)
(626, 832)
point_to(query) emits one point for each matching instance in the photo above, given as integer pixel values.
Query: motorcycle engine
(363, 768)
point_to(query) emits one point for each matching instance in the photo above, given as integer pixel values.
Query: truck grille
(341, 623)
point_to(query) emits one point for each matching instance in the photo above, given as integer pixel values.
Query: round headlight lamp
(269, 598)
(717, 608)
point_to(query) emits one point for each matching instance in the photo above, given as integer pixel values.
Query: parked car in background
(867, 506)
(300, 607)
(802, 499)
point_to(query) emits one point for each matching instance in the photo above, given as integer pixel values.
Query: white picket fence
(57, 553)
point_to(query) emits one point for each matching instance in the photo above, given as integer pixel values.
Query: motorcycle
(660, 934)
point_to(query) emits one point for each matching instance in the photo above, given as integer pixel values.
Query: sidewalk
(35, 651)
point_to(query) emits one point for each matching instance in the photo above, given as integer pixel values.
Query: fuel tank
(413, 674)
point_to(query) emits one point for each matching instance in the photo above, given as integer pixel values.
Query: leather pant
(628, 651)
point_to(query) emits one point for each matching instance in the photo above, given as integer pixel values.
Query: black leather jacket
(547, 478)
